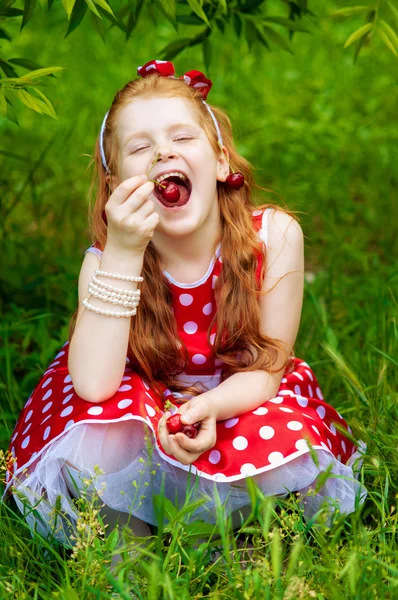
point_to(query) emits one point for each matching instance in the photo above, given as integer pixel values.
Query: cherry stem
(152, 165)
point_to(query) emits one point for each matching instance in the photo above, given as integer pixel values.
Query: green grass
(322, 132)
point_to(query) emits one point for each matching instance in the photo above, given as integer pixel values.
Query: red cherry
(174, 424)
(171, 193)
(190, 431)
(235, 180)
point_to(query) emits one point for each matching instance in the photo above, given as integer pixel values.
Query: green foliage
(249, 19)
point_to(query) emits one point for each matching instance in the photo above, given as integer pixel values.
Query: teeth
(175, 173)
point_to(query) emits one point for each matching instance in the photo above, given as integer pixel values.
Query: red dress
(258, 443)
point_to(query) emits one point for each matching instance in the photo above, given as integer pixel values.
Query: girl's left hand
(183, 448)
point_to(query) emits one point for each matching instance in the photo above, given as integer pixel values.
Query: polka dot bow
(194, 79)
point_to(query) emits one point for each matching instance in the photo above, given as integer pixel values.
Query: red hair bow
(194, 79)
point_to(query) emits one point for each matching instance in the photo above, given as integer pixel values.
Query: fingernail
(187, 419)
(144, 177)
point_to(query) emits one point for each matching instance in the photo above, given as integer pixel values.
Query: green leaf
(393, 9)
(207, 53)
(3, 104)
(221, 25)
(30, 6)
(349, 11)
(51, 111)
(197, 9)
(389, 31)
(358, 34)
(11, 116)
(7, 69)
(251, 34)
(99, 26)
(4, 35)
(41, 73)
(237, 21)
(105, 6)
(174, 48)
(386, 40)
(223, 4)
(68, 6)
(33, 103)
(191, 19)
(92, 7)
(115, 20)
(169, 7)
(26, 64)
(78, 13)
(275, 37)
(276, 553)
(288, 23)
(10, 12)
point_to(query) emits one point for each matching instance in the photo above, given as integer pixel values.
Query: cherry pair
(174, 425)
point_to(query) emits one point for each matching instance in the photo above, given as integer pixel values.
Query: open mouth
(184, 187)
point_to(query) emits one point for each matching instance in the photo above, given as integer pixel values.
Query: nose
(165, 151)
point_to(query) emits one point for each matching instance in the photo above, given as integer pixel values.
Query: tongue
(184, 197)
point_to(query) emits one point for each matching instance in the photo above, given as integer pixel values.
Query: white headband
(101, 140)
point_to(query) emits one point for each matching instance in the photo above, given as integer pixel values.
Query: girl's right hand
(131, 216)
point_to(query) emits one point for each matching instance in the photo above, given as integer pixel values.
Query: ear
(112, 182)
(223, 164)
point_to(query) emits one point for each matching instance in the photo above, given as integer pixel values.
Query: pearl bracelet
(117, 301)
(118, 276)
(95, 289)
(108, 313)
(113, 288)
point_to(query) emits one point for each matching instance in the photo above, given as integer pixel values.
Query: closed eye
(139, 149)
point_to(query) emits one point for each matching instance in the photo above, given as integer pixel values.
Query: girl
(212, 326)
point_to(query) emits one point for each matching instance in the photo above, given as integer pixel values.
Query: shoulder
(283, 229)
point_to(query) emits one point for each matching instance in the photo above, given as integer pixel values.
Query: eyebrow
(144, 133)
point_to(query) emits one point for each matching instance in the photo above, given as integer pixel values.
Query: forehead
(149, 115)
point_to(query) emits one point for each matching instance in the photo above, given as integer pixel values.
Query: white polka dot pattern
(240, 443)
(67, 411)
(186, 299)
(231, 423)
(124, 403)
(190, 327)
(267, 432)
(214, 457)
(95, 411)
(248, 469)
(198, 359)
(261, 411)
(208, 308)
(294, 425)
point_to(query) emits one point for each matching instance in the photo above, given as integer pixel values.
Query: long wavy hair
(155, 349)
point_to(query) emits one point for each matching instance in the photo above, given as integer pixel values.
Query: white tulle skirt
(134, 472)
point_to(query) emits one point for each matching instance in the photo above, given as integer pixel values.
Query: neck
(195, 248)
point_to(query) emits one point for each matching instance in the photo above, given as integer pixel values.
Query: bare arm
(97, 352)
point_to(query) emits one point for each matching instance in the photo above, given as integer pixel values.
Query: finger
(200, 444)
(125, 189)
(146, 209)
(164, 440)
(194, 411)
(184, 457)
(138, 197)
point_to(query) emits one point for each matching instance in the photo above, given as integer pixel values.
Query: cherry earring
(235, 180)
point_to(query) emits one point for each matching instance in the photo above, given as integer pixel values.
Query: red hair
(154, 348)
